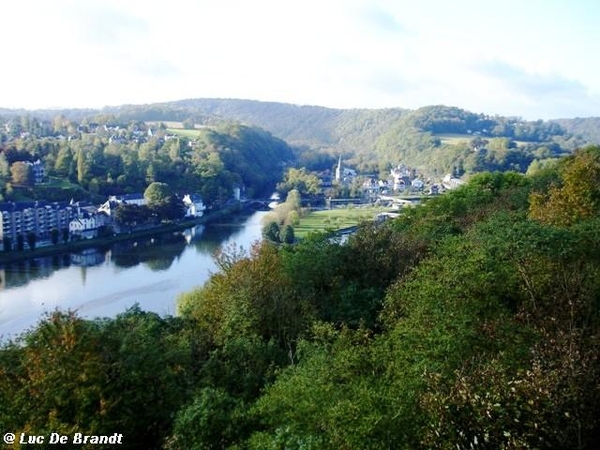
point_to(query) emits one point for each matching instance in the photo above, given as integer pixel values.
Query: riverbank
(73, 246)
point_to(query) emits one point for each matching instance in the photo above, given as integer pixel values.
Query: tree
(31, 240)
(131, 214)
(20, 242)
(287, 234)
(301, 180)
(211, 421)
(54, 236)
(65, 235)
(294, 199)
(81, 166)
(21, 173)
(188, 124)
(271, 232)
(64, 162)
(157, 194)
(579, 196)
(4, 170)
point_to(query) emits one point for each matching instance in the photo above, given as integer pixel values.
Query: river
(103, 282)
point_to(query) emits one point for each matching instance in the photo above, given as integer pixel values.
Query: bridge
(258, 204)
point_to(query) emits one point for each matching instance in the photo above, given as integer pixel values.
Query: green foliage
(70, 375)
(271, 232)
(157, 194)
(578, 196)
(278, 225)
(131, 214)
(215, 419)
(125, 160)
(287, 235)
(468, 322)
(332, 399)
(301, 180)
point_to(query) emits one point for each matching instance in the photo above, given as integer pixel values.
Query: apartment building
(38, 217)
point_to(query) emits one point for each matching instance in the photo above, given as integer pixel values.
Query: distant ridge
(436, 137)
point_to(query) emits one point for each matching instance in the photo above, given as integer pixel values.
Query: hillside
(374, 140)
(588, 128)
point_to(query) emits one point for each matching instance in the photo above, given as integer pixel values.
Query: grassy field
(334, 219)
(192, 134)
(454, 139)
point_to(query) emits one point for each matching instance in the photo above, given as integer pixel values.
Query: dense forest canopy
(472, 321)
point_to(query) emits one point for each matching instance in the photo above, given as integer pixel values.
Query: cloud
(535, 95)
(105, 25)
(531, 84)
(388, 81)
(155, 69)
(378, 20)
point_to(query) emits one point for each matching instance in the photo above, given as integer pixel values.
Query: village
(31, 224)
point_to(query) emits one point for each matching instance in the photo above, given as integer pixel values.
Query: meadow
(335, 219)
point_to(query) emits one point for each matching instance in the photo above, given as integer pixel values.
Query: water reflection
(104, 281)
(157, 252)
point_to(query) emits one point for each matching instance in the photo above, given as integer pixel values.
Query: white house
(115, 200)
(86, 225)
(417, 185)
(194, 205)
(449, 182)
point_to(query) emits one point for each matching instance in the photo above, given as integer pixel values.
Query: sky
(536, 59)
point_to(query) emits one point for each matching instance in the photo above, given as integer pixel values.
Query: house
(194, 205)
(449, 182)
(86, 224)
(401, 175)
(417, 185)
(87, 219)
(115, 200)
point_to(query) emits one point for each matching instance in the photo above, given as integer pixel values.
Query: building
(85, 224)
(417, 185)
(344, 173)
(40, 218)
(113, 201)
(449, 182)
(38, 170)
(402, 177)
(194, 205)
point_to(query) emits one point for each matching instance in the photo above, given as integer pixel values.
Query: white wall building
(194, 205)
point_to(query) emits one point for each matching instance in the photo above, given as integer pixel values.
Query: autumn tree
(21, 173)
(578, 195)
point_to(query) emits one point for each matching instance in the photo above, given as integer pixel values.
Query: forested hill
(316, 126)
(433, 139)
(588, 128)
